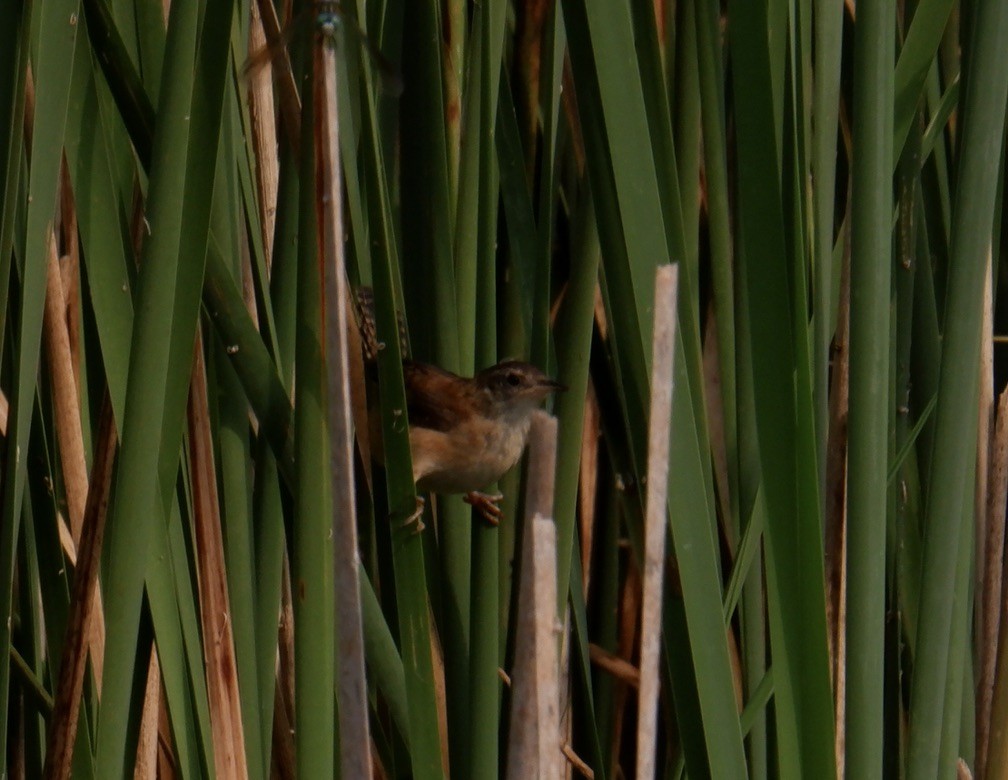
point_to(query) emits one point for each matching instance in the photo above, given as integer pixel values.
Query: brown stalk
(535, 747)
(577, 763)
(64, 387)
(264, 138)
(620, 668)
(588, 480)
(147, 743)
(836, 504)
(547, 631)
(656, 518)
(629, 611)
(531, 17)
(351, 683)
(452, 43)
(66, 404)
(167, 768)
(283, 701)
(290, 102)
(70, 269)
(993, 565)
(66, 709)
(283, 738)
(836, 454)
(218, 643)
(440, 691)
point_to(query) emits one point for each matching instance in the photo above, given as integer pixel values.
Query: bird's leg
(486, 503)
(414, 520)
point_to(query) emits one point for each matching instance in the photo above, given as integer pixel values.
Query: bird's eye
(513, 379)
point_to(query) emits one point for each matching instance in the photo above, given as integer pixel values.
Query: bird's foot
(486, 503)
(414, 521)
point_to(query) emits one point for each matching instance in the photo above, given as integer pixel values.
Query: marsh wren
(464, 433)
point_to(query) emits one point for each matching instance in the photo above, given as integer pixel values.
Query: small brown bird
(465, 433)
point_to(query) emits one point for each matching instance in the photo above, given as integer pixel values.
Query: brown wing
(433, 397)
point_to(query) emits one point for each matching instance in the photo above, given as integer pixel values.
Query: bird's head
(515, 387)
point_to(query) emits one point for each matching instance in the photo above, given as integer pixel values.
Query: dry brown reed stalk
(629, 618)
(276, 54)
(264, 137)
(69, 434)
(440, 691)
(69, 431)
(534, 748)
(835, 503)
(70, 268)
(577, 763)
(547, 632)
(656, 515)
(990, 597)
(211, 567)
(531, 17)
(351, 683)
(282, 762)
(84, 605)
(146, 766)
(620, 668)
(452, 78)
(836, 455)
(167, 767)
(588, 482)
(283, 703)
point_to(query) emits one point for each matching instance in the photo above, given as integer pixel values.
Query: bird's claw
(486, 503)
(414, 520)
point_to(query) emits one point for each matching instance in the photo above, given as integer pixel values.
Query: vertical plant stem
(485, 656)
(426, 759)
(662, 362)
(779, 422)
(955, 428)
(533, 726)
(52, 74)
(311, 557)
(215, 611)
(167, 312)
(871, 260)
(828, 24)
(547, 685)
(65, 400)
(355, 739)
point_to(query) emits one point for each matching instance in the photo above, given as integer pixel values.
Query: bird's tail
(366, 320)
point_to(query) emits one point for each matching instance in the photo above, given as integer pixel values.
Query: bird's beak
(553, 386)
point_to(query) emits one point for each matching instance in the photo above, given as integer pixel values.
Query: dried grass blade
(666, 288)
